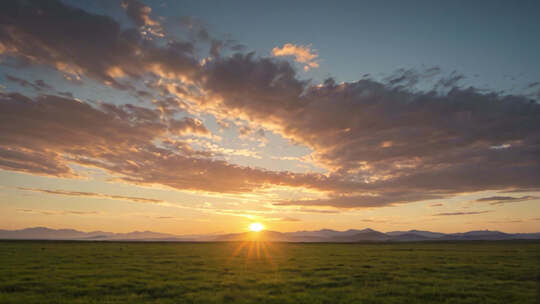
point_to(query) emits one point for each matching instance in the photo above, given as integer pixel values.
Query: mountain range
(323, 235)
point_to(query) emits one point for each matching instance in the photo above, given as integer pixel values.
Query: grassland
(94, 272)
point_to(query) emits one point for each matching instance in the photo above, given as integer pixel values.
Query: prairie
(256, 272)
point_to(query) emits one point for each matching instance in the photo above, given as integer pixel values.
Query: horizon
(247, 230)
(198, 118)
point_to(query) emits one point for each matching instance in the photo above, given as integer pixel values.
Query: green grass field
(94, 272)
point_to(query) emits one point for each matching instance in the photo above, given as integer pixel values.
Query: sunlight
(256, 227)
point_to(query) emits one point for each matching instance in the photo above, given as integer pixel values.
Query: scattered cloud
(408, 78)
(372, 221)
(165, 217)
(140, 15)
(37, 85)
(96, 195)
(506, 221)
(361, 201)
(289, 219)
(301, 53)
(450, 81)
(59, 212)
(461, 213)
(324, 211)
(188, 125)
(500, 200)
(253, 134)
(533, 84)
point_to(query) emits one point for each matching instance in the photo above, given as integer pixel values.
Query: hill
(323, 235)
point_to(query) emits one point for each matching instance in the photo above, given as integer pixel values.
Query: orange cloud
(97, 195)
(301, 53)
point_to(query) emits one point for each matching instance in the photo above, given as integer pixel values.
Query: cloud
(36, 162)
(46, 134)
(301, 53)
(289, 219)
(385, 138)
(49, 33)
(362, 201)
(372, 221)
(59, 212)
(506, 221)
(39, 133)
(500, 200)
(140, 14)
(408, 78)
(96, 195)
(188, 125)
(313, 210)
(461, 213)
(253, 134)
(37, 85)
(450, 81)
(533, 84)
(383, 143)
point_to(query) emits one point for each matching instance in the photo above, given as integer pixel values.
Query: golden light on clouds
(301, 53)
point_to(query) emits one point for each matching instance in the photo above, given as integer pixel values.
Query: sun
(256, 227)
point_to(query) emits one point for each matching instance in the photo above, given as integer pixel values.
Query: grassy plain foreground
(94, 272)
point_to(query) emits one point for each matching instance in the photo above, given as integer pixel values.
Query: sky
(200, 117)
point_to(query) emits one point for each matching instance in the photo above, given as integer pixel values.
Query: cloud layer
(96, 195)
(501, 200)
(382, 142)
(47, 134)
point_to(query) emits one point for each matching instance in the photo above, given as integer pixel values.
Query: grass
(103, 272)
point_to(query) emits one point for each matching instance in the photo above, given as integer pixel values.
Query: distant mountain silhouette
(420, 233)
(43, 233)
(362, 236)
(478, 235)
(323, 235)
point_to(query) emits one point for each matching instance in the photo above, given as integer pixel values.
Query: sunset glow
(354, 151)
(256, 227)
(184, 118)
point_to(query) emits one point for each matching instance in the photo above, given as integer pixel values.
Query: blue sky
(494, 43)
(496, 40)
